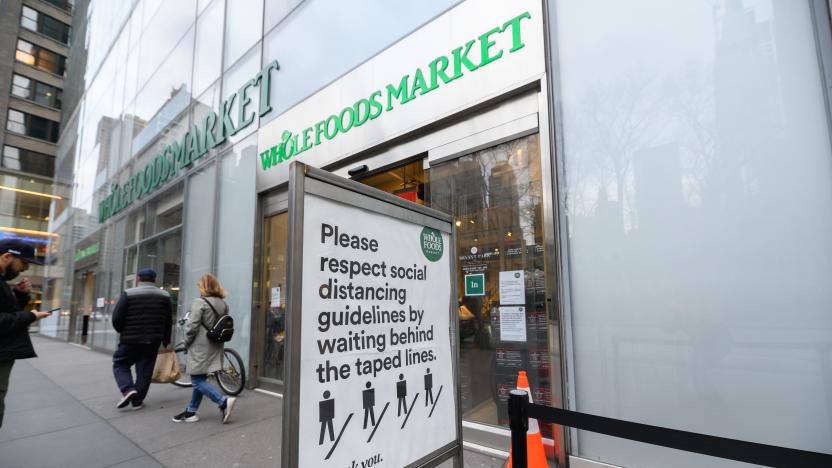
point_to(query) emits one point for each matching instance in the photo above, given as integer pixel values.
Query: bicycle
(231, 378)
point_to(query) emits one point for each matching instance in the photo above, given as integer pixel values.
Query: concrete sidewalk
(60, 412)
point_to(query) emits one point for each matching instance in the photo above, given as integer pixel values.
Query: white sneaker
(229, 408)
(126, 399)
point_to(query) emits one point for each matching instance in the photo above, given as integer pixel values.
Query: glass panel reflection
(495, 196)
(698, 196)
(275, 239)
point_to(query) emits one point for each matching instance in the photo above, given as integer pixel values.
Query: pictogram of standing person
(369, 402)
(428, 387)
(401, 394)
(326, 408)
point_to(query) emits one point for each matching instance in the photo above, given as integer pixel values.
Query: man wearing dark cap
(15, 257)
(143, 317)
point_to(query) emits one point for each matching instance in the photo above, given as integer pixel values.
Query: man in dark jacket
(143, 317)
(15, 257)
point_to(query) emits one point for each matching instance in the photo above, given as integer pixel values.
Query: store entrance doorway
(495, 194)
(270, 312)
(83, 306)
(274, 299)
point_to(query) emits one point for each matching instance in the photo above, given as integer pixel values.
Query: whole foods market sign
(475, 51)
(236, 113)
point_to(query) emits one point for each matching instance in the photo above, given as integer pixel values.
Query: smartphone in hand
(53, 310)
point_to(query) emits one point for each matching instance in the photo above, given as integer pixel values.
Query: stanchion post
(519, 424)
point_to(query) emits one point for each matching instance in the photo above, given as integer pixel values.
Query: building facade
(658, 176)
(34, 44)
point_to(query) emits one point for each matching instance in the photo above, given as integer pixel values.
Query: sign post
(371, 330)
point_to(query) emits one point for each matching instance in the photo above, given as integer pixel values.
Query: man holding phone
(15, 257)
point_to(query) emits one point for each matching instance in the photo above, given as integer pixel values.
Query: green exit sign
(475, 285)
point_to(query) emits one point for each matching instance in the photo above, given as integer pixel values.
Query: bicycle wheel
(232, 377)
(184, 379)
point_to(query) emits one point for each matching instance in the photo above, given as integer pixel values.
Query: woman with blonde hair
(205, 355)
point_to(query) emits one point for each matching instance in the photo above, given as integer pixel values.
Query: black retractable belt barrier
(520, 410)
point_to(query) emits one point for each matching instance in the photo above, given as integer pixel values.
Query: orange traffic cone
(534, 441)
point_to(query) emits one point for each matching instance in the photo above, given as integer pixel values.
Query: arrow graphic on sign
(378, 423)
(339, 436)
(410, 410)
(438, 394)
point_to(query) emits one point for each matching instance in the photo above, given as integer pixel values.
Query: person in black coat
(143, 317)
(15, 257)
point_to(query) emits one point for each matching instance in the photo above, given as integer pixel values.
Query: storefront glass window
(233, 79)
(167, 94)
(276, 10)
(334, 21)
(235, 236)
(163, 34)
(699, 206)
(495, 197)
(110, 284)
(199, 231)
(243, 27)
(207, 60)
(165, 211)
(275, 238)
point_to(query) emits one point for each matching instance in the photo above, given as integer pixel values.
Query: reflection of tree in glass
(615, 119)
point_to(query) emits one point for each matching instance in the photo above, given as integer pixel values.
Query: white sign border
(304, 179)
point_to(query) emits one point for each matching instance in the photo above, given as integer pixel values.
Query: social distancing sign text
(375, 376)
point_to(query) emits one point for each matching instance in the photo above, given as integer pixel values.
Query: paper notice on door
(512, 287)
(275, 300)
(99, 302)
(513, 323)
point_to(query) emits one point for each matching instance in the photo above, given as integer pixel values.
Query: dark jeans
(5, 371)
(143, 356)
(202, 387)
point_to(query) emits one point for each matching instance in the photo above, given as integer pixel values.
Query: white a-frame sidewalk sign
(372, 329)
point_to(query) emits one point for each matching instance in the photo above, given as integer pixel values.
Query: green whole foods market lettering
(81, 254)
(471, 56)
(210, 132)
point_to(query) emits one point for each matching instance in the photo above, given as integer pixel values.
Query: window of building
(62, 4)
(29, 19)
(25, 53)
(21, 86)
(16, 122)
(47, 95)
(32, 125)
(18, 159)
(40, 58)
(44, 24)
(41, 93)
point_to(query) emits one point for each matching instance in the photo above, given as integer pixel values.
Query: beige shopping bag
(166, 369)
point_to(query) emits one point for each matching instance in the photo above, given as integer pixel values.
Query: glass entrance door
(83, 306)
(273, 301)
(496, 198)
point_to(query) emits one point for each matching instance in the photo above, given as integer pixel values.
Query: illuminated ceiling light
(28, 231)
(29, 192)
(472, 221)
(476, 240)
(508, 234)
(458, 223)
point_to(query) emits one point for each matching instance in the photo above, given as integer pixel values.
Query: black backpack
(223, 328)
